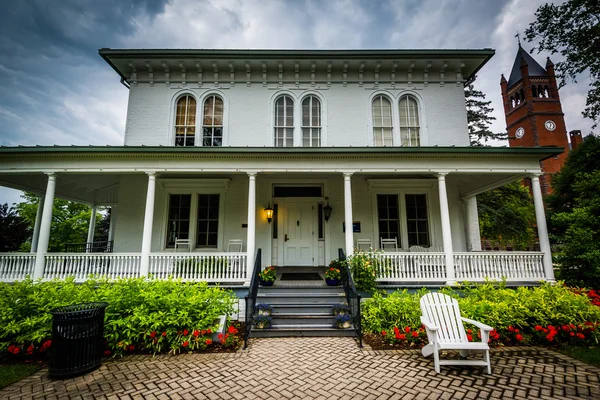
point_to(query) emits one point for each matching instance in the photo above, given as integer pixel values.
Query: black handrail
(251, 297)
(90, 247)
(352, 296)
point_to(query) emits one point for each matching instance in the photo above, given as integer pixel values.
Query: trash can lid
(74, 309)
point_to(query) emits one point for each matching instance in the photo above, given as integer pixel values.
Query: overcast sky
(55, 89)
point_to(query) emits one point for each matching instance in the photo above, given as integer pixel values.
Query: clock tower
(533, 111)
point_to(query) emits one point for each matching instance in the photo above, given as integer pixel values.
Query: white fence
(15, 267)
(82, 265)
(209, 267)
(411, 267)
(518, 266)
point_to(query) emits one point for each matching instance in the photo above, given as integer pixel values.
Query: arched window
(382, 121)
(409, 121)
(185, 121)
(534, 91)
(212, 123)
(546, 92)
(284, 122)
(311, 122)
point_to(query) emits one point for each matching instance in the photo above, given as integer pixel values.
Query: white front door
(299, 235)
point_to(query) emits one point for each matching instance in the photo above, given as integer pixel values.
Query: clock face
(550, 125)
(519, 133)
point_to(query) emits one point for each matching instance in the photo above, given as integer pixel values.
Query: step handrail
(250, 298)
(352, 296)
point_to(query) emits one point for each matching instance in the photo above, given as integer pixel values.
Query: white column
(540, 219)
(446, 231)
(148, 219)
(36, 227)
(251, 234)
(111, 224)
(472, 224)
(44, 237)
(348, 213)
(91, 229)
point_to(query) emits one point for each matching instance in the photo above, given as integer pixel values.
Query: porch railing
(15, 266)
(210, 267)
(352, 297)
(513, 266)
(82, 265)
(90, 247)
(250, 298)
(411, 267)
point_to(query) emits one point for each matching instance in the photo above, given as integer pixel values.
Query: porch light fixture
(269, 213)
(327, 210)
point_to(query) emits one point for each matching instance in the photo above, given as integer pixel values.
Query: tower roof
(535, 69)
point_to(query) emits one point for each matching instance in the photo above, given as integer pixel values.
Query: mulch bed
(377, 342)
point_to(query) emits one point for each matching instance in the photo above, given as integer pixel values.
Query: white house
(344, 147)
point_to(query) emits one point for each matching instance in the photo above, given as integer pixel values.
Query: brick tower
(533, 112)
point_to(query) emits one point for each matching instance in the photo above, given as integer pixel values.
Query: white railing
(410, 267)
(513, 266)
(82, 265)
(15, 266)
(209, 267)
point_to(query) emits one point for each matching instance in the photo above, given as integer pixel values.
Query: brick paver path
(320, 368)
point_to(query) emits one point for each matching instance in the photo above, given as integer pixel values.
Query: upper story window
(212, 121)
(284, 122)
(409, 121)
(382, 121)
(185, 121)
(311, 122)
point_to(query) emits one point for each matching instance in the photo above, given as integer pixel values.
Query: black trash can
(77, 339)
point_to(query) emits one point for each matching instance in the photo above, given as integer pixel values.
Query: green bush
(363, 266)
(142, 314)
(547, 314)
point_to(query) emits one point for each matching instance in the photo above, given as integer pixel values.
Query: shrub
(142, 314)
(363, 268)
(521, 315)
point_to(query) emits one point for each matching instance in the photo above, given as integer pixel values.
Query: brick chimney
(576, 139)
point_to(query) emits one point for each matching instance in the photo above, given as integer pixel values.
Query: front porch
(422, 200)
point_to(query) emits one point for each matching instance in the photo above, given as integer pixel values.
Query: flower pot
(261, 325)
(344, 325)
(266, 283)
(343, 312)
(264, 312)
(332, 282)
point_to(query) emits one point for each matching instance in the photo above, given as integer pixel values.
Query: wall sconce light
(269, 213)
(327, 210)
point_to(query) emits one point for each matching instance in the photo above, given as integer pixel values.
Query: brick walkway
(324, 368)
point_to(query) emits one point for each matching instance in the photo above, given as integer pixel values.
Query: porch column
(46, 224)
(251, 238)
(36, 227)
(111, 223)
(446, 231)
(472, 224)
(91, 230)
(540, 219)
(348, 214)
(148, 219)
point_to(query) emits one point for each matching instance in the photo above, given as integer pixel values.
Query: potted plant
(262, 321)
(342, 321)
(339, 309)
(332, 275)
(267, 276)
(264, 309)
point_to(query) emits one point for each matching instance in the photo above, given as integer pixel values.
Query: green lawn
(11, 373)
(590, 355)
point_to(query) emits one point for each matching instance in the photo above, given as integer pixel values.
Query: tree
(572, 29)
(507, 216)
(574, 209)
(70, 221)
(14, 230)
(479, 117)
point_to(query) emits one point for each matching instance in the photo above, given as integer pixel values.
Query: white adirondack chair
(445, 331)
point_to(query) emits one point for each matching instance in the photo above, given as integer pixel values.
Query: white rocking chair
(445, 331)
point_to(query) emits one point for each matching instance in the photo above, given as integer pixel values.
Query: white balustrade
(209, 267)
(410, 267)
(82, 265)
(515, 266)
(16, 266)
